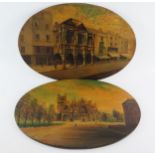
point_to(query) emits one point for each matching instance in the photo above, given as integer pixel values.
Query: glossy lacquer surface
(77, 114)
(76, 41)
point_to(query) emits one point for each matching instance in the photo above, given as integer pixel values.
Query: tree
(39, 113)
(117, 115)
(18, 112)
(50, 113)
(33, 110)
(103, 116)
(28, 111)
(21, 109)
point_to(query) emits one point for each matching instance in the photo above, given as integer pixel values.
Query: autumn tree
(33, 110)
(50, 113)
(29, 111)
(39, 113)
(21, 109)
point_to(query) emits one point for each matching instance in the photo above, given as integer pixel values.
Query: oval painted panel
(77, 114)
(71, 41)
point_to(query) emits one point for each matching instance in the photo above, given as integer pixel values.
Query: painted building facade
(82, 110)
(44, 42)
(36, 40)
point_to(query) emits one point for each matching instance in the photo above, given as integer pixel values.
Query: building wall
(40, 31)
(131, 113)
(76, 110)
(37, 34)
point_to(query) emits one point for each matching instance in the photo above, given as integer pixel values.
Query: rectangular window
(69, 36)
(47, 38)
(37, 37)
(80, 39)
(36, 25)
(49, 50)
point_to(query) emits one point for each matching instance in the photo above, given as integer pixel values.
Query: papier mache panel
(77, 114)
(70, 41)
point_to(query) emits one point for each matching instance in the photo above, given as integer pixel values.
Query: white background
(138, 78)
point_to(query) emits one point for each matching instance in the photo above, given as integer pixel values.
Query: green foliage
(115, 116)
(94, 84)
(30, 113)
(38, 124)
(91, 11)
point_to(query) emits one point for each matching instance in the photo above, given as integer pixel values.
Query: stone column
(63, 57)
(75, 57)
(74, 49)
(84, 56)
(92, 57)
(93, 49)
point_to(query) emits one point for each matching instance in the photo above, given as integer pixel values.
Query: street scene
(77, 114)
(86, 37)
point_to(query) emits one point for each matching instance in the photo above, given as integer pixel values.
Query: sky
(92, 16)
(107, 97)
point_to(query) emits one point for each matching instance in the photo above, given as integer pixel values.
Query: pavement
(74, 135)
